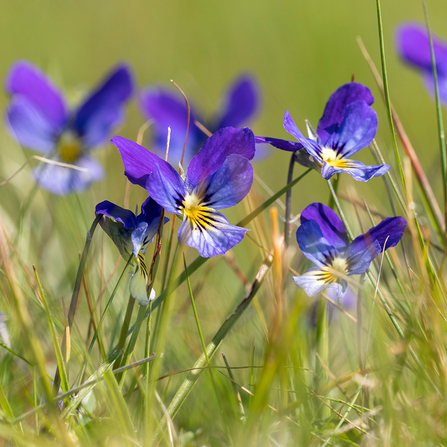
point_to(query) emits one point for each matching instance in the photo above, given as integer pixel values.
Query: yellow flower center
(196, 213)
(340, 265)
(331, 157)
(69, 147)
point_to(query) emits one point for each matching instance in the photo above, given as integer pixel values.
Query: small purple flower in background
(348, 124)
(39, 119)
(323, 239)
(132, 235)
(219, 176)
(413, 46)
(167, 108)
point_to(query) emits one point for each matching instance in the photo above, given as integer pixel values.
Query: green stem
(125, 329)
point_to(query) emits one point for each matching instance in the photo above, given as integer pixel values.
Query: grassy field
(255, 361)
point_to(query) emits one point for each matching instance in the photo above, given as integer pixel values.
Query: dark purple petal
(30, 127)
(314, 245)
(230, 184)
(150, 214)
(413, 46)
(63, 181)
(109, 209)
(167, 109)
(102, 110)
(334, 111)
(217, 148)
(383, 236)
(331, 226)
(356, 131)
(138, 161)
(27, 81)
(241, 103)
(313, 282)
(356, 169)
(311, 146)
(290, 146)
(211, 240)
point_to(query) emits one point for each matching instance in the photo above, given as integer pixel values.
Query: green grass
(375, 375)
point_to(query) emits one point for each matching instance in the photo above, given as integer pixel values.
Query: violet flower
(132, 235)
(38, 118)
(219, 176)
(348, 124)
(167, 108)
(413, 46)
(323, 239)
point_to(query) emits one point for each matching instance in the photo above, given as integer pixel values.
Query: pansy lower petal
(356, 131)
(230, 184)
(211, 236)
(311, 146)
(30, 127)
(334, 111)
(316, 280)
(167, 109)
(290, 146)
(27, 81)
(313, 244)
(61, 181)
(138, 281)
(355, 168)
(331, 227)
(109, 209)
(102, 110)
(241, 102)
(217, 148)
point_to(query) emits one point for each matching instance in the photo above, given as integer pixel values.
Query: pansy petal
(217, 148)
(331, 227)
(138, 281)
(290, 146)
(442, 85)
(413, 46)
(140, 238)
(311, 146)
(316, 280)
(383, 236)
(212, 237)
(230, 184)
(241, 102)
(63, 181)
(26, 80)
(166, 109)
(314, 245)
(150, 213)
(360, 256)
(334, 111)
(30, 127)
(355, 168)
(102, 110)
(109, 209)
(139, 163)
(356, 131)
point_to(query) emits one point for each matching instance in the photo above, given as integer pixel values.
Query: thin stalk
(288, 202)
(74, 298)
(193, 376)
(125, 329)
(442, 147)
(387, 95)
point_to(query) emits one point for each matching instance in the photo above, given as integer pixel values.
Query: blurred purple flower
(323, 240)
(38, 118)
(348, 124)
(413, 46)
(132, 235)
(168, 109)
(219, 176)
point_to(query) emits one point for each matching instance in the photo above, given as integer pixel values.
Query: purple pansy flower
(38, 118)
(219, 176)
(348, 124)
(132, 235)
(413, 46)
(323, 239)
(167, 108)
